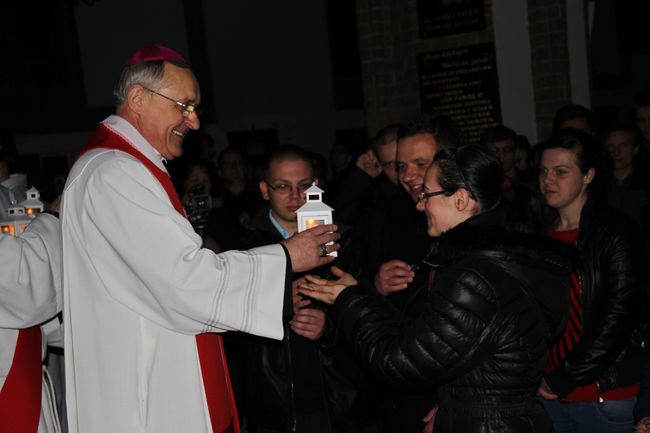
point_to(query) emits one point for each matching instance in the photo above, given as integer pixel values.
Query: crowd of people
(491, 287)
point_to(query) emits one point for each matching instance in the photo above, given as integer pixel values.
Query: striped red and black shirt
(561, 345)
(564, 343)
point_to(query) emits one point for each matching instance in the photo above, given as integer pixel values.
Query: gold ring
(323, 250)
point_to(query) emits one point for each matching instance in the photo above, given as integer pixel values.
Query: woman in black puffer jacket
(495, 298)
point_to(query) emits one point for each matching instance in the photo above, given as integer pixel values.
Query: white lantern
(20, 215)
(33, 204)
(314, 212)
(15, 222)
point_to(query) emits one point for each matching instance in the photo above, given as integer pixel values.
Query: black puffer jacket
(614, 280)
(497, 297)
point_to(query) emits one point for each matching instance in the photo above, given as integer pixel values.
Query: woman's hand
(545, 391)
(429, 420)
(643, 426)
(326, 290)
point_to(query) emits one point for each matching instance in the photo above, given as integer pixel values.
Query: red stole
(212, 357)
(20, 397)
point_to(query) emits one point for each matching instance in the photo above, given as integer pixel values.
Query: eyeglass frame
(186, 108)
(424, 196)
(291, 188)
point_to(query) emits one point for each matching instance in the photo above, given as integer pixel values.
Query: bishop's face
(163, 122)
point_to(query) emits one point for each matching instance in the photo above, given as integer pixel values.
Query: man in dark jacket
(393, 240)
(373, 178)
(309, 382)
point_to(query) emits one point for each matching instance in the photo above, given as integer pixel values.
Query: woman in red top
(593, 369)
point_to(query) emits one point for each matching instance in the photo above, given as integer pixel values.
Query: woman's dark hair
(588, 153)
(474, 168)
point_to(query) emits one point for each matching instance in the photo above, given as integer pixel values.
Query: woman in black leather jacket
(494, 299)
(595, 366)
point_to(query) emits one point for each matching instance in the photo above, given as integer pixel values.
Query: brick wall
(389, 44)
(549, 59)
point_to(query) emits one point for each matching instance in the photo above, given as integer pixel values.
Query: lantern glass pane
(313, 222)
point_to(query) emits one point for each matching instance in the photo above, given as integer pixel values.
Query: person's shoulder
(502, 246)
(610, 218)
(604, 226)
(107, 161)
(103, 167)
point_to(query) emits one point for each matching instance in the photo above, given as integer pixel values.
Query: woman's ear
(461, 198)
(463, 201)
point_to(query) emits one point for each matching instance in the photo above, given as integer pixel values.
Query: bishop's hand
(308, 249)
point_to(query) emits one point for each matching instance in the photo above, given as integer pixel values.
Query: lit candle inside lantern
(313, 223)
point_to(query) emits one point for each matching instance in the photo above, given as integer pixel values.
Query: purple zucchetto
(152, 53)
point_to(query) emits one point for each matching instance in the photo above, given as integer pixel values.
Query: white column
(578, 43)
(512, 45)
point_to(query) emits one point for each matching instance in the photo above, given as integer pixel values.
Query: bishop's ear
(135, 98)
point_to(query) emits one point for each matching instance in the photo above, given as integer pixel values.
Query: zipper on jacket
(294, 417)
(600, 394)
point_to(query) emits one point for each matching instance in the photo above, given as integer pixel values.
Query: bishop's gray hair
(146, 74)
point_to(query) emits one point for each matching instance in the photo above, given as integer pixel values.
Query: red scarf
(212, 357)
(20, 397)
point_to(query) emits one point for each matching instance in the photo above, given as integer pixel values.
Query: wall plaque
(463, 84)
(450, 17)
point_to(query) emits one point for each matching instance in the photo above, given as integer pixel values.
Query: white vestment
(30, 293)
(138, 287)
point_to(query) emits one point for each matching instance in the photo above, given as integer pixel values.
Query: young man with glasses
(306, 383)
(288, 175)
(144, 302)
